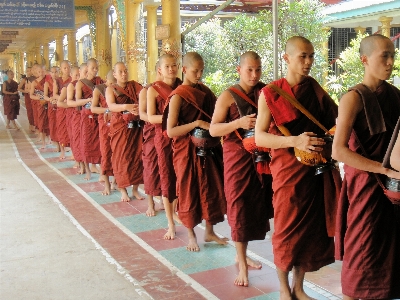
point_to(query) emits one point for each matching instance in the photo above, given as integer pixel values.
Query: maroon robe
(368, 233)
(64, 116)
(151, 175)
(28, 104)
(52, 113)
(104, 135)
(126, 143)
(248, 194)
(11, 102)
(90, 141)
(75, 140)
(304, 204)
(163, 143)
(41, 108)
(199, 179)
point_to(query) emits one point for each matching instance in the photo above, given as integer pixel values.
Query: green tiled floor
(101, 199)
(140, 223)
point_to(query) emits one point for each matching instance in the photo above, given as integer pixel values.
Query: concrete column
(46, 56)
(360, 30)
(71, 37)
(385, 28)
(114, 45)
(171, 16)
(132, 11)
(80, 52)
(103, 41)
(60, 48)
(152, 43)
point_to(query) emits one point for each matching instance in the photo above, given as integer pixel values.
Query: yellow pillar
(152, 43)
(60, 48)
(46, 56)
(360, 30)
(385, 28)
(29, 58)
(80, 52)
(103, 41)
(114, 44)
(38, 54)
(71, 38)
(171, 16)
(132, 11)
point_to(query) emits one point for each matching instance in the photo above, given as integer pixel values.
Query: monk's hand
(392, 174)
(247, 122)
(309, 142)
(135, 109)
(107, 117)
(203, 124)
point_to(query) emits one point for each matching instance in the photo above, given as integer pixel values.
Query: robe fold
(163, 143)
(52, 113)
(63, 118)
(200, 188)
(33, 103)
(248, 194)
(11, 102)
(28, 105)
(104, 137)
(126, 143)
(368, 231)
(303, 210)
(41, 109)
(75, 140)
(90, 141)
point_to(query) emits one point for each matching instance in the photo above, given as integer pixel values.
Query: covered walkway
(61, 239)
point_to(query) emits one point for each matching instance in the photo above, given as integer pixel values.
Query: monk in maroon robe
(52, 105)
(24, 88)
(199, 178)
(151, 175)
(64, 113)
(368, 235)
(37, 94)
(157, 96)
(11, 100)
(99, 107)
(248, 193)
(90, 141)
(76, 116)
(304, 203)
(125, 132)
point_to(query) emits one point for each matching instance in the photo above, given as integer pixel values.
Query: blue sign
(40, 14)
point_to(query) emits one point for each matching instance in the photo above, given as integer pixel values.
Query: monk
(304, 203)
(24, 89)
(151, 175)
(90, 141)
(37, 94)
(64, 113)
(368, 238)
(395, 156)
(199, 179)
(11, 100)
(157, 96)
(52, 105)
(76, 74)
(99, 107)
(248, 193)
(125, 132)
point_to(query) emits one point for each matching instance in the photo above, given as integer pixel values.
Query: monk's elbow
(170, 133)
(212, 131)
(337, 153)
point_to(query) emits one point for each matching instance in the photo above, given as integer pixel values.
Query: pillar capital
(385, 28)
(360, 30)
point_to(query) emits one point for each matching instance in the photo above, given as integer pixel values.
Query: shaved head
(292, 43)
(64, 62)
(190, 58)
(110, 76)
(91, 61)
(164, 57)
(367, 45)
(249, 54)
(118, 64)
(82, 66)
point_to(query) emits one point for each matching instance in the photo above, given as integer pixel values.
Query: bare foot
(94, 169)
(113, 185)
(106, 191)
(251, 262)
(170, 235)
(136, 194)
(193, 246)
(301, 295)
(82, 169)
(76, 165)
(150, 212)
(8, 127)
(88, 176)
(242, 278)
(176, 218)
(124, 195)
(212, 237)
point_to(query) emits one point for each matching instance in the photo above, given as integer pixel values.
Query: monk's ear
(238, 69)
(286, 57)
(364, 59)
(184, 69)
